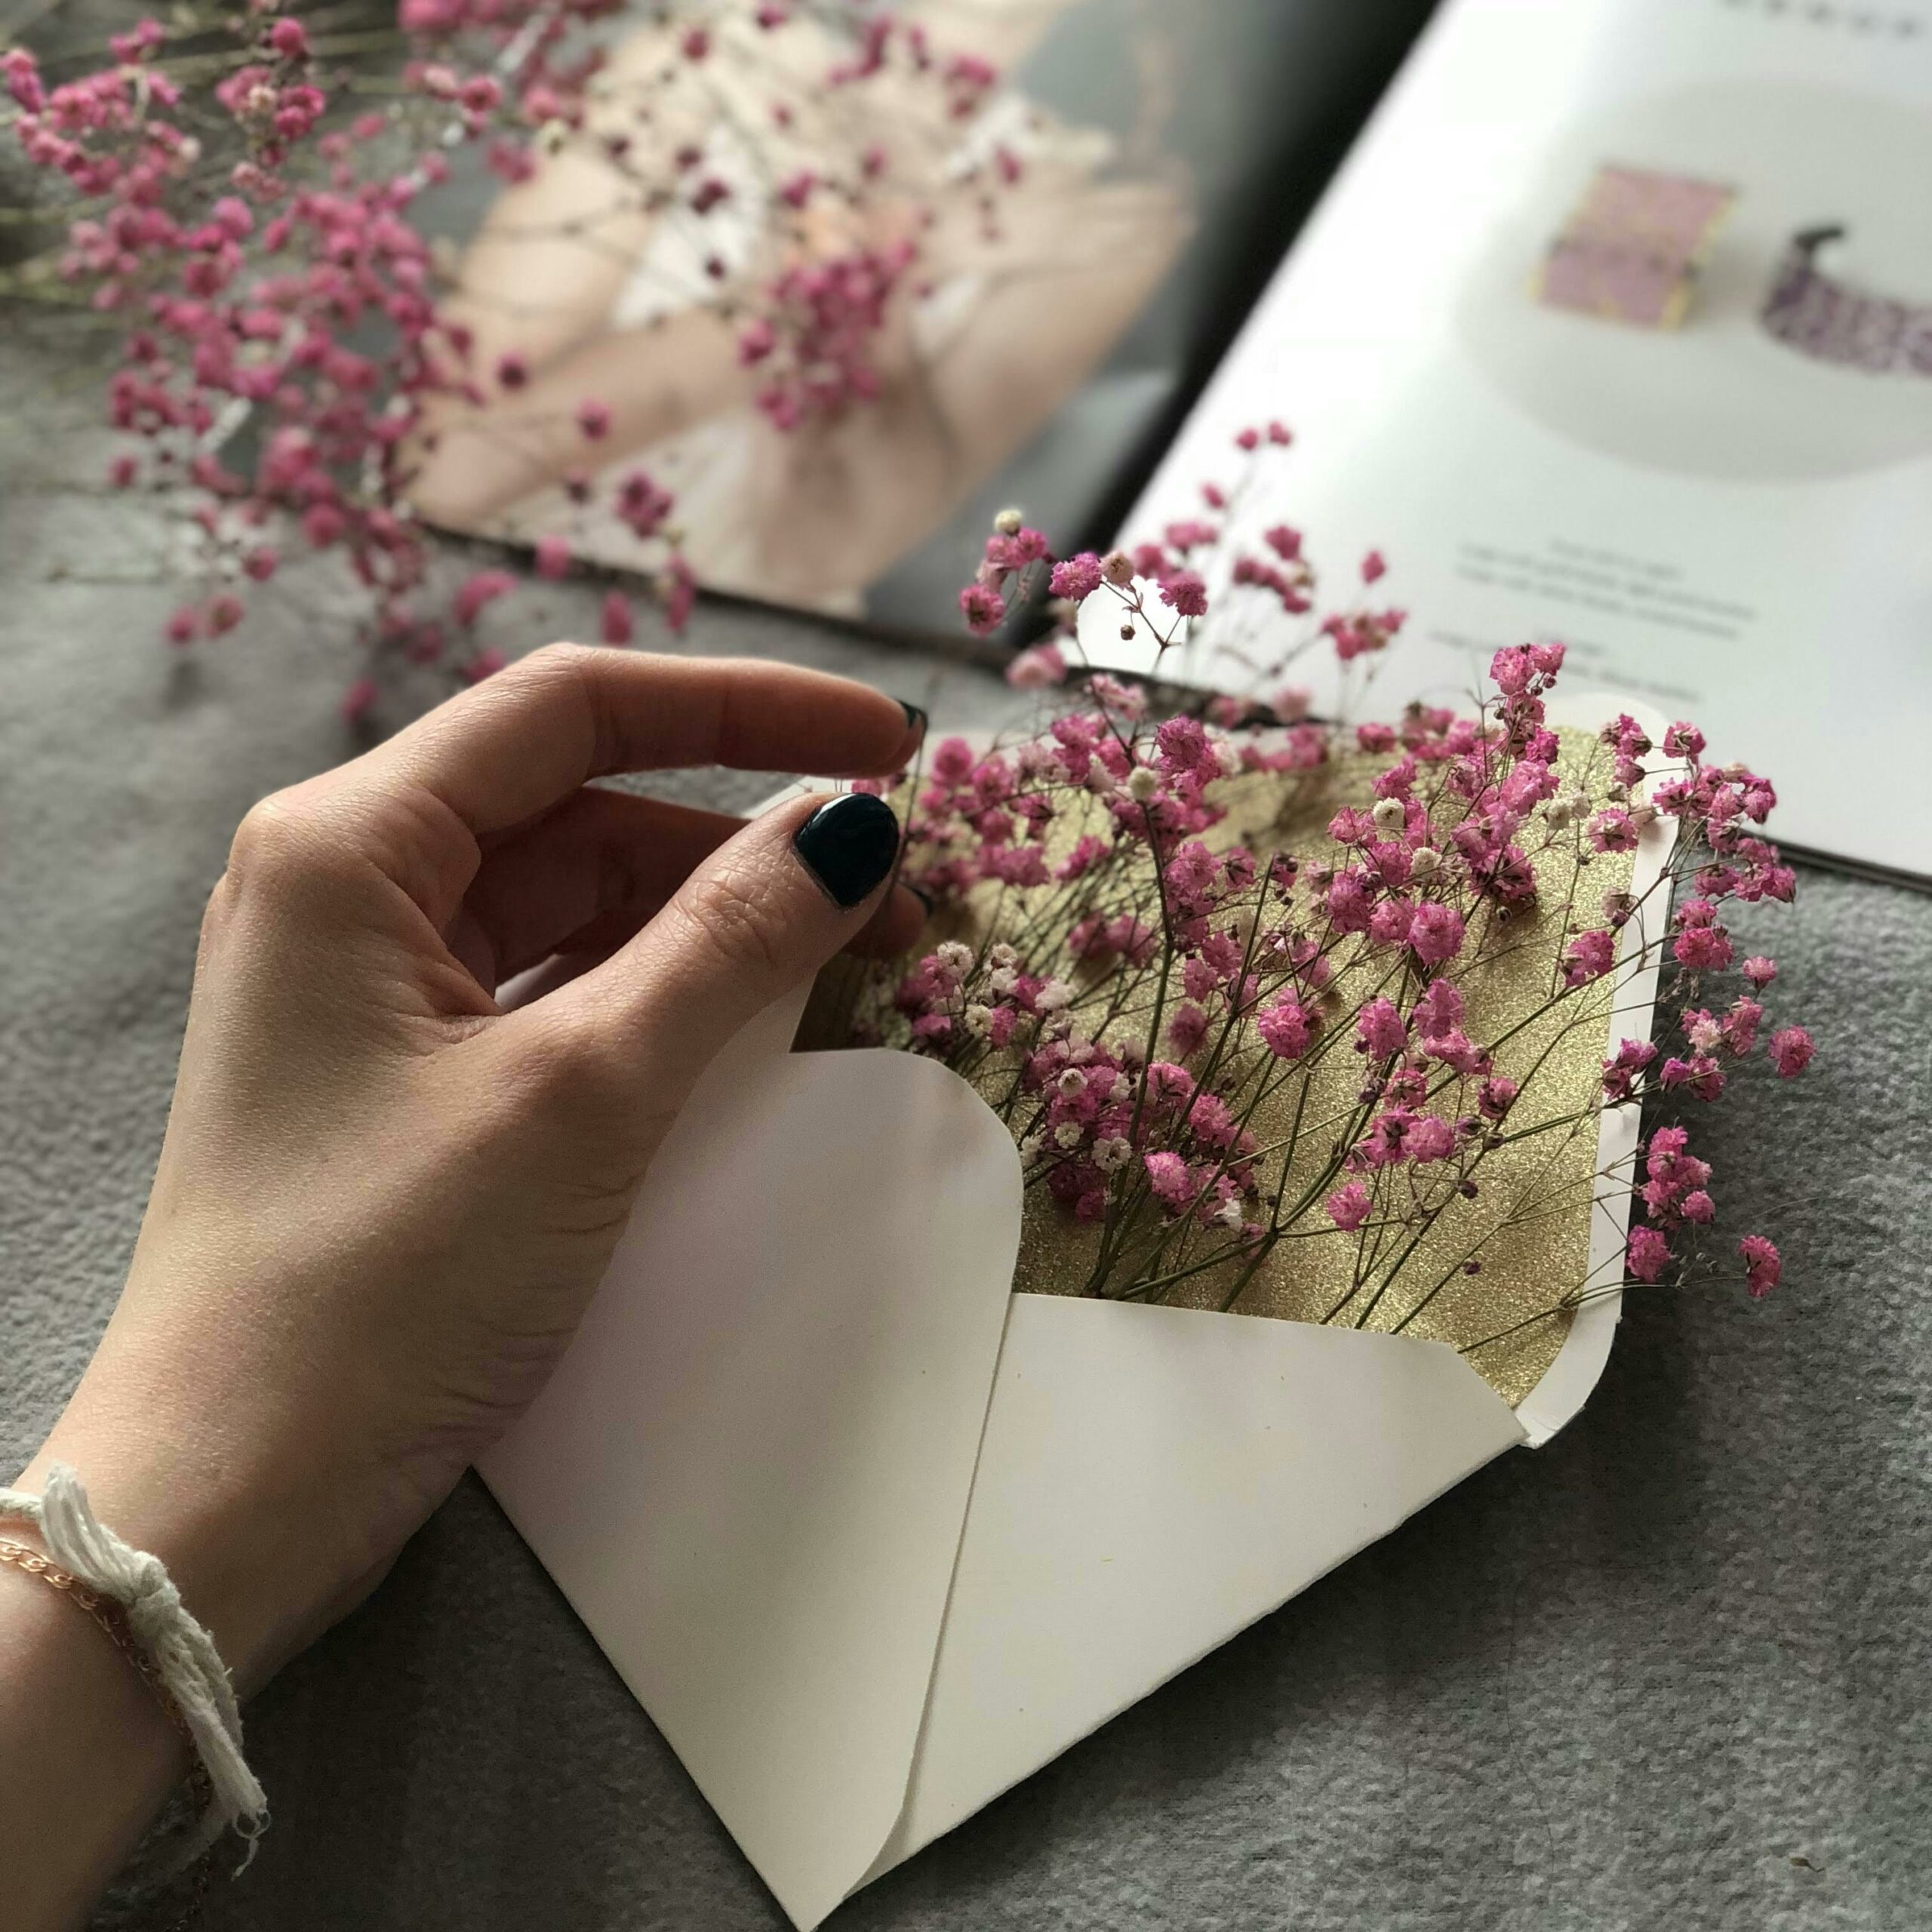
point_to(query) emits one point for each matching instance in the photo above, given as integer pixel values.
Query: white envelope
(871, 1537)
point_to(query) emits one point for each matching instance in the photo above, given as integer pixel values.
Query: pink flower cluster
(1138, 992)
(261, 237)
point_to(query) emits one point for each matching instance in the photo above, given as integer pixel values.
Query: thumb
(758, 917)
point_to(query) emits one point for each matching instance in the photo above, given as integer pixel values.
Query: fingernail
(916, 719)
(849, 845)
(925, 897)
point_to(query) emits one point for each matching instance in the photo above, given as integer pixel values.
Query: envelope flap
(750, 1472)
(1151, 1481)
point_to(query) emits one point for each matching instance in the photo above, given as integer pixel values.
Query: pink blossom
(983, 607)
(482, 589)
(1613, 829)
(1702, 944)
(1435, 934)
(1588, 956)
(1187, 1030)
(1700, 1076)
(1348, 1207)
(1646, 1254)
(1285, 1027)
(1759, 970)
(1038, 667)
(616, 624)
(678, 588)
(1439, 1010)
(1739, 1026)
(1077, 578)
(1184, 592)
(553, 558)
(1495, 1097)
(1373, 566)
(1791, 1050)
(1430, 1139)
(1763, 1264)
(593, 419)
(1379, 1028)
(1167, 1176)
(1620, 1072)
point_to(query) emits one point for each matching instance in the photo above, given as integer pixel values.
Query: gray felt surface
(1674, 1671)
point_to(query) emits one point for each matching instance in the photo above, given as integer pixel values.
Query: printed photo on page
(905, 278)
(1617, 328)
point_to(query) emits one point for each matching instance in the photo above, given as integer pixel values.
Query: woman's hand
(383, 1201)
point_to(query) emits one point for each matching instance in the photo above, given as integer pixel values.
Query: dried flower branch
(258, 224)
(1267, 1002)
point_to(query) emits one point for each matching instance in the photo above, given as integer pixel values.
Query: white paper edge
(1565, 1385)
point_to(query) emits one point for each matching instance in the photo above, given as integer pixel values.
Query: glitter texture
(1529, 1227)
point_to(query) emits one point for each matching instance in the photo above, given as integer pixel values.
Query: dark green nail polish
(849, 845)
(914, 717)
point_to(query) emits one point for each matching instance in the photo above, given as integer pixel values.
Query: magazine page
(1617, 328)
(988, 258)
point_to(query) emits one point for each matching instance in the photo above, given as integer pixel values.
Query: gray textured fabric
(1673, 1671)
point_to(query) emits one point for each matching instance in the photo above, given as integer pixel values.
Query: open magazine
(1090, 231)
(1616, 327)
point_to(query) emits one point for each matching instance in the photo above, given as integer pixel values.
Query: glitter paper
(1529, 1227)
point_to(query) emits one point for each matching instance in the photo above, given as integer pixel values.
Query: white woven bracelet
(182, 1653)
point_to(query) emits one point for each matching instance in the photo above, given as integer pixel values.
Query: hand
(383, 1201)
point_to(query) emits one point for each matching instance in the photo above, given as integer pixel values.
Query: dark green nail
(915, 717)
(849, 845)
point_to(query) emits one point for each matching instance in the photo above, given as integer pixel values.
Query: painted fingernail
(849, 845)
(916, 718)
(925, 897)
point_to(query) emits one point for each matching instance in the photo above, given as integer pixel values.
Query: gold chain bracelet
(113, 1620)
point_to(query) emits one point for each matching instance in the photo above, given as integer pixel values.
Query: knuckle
(734, 919)
(551, 664)
(272, 839)
(281, 846)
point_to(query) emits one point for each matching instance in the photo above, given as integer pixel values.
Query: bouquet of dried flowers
(1294, 1018)
(243, 188)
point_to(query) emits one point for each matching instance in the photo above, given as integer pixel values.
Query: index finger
(503, 751)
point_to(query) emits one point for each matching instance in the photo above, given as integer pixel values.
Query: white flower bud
(1069, 1133)
(1055, 995)
(1390, 816)
(1142, 784)
(1425, 862)
(1009, 522)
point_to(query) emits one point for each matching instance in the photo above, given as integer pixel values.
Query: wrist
(239, 1542)
(89, 1753)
